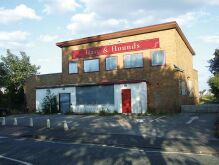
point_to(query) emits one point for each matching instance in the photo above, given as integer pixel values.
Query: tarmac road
(175, 139)
(21, 151)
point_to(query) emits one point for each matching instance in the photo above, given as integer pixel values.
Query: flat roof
(130, 32)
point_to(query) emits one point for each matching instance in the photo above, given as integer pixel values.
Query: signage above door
(116, 48)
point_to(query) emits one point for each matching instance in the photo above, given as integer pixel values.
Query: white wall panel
(41, 93)
(138, 96)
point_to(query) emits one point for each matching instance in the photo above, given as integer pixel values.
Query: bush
(106, 111)
(49, 104)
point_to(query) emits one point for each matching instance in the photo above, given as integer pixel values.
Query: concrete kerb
(202, 108)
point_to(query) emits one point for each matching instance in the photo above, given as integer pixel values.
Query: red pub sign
(117, 48)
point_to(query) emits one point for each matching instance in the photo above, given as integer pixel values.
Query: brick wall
(163, 81)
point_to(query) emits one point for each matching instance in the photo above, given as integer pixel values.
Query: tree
(214, 84)
(214, 63)
(14, 71)
(3, 74)
(214, 69)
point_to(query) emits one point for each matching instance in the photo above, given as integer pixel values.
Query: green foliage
(214, 69)
(214, 63)
(50, 104)
(14, 71)
(17, 69)
(106, 112)
(214, 84)
(3, 74)
(207, 99)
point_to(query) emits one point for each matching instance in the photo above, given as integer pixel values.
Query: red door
(126, 100)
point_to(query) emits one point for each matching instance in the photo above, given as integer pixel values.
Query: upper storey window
(158, 58)
(91, 65)
(133, 60)
(73, 67)
(111, 63)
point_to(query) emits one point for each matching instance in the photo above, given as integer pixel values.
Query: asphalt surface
(28, 151)
(172, 126)
(175, 139)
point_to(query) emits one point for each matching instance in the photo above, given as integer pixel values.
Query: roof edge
(129, 32)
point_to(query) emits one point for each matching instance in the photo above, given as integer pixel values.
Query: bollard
(65, 125)
(48, 123)
(15, 121)
(31, 122)
(3, 121)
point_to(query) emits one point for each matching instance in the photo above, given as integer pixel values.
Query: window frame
(69, 67)
(151, 56)
(90, 60)
(131, 55)
(116, 63)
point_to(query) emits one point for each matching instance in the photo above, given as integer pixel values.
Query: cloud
(214, 39)
(187, 19)
(48, 38)
(18, 13)
(51, 6)
(208, 2)
(91, 23)
(14, 40)
(122, 9)
(101, 16)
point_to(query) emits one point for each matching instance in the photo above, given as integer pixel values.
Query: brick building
(130, 71)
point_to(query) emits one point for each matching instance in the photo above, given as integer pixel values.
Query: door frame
(60, 102)
(130, 100)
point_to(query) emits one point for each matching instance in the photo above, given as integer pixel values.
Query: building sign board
(116, 48)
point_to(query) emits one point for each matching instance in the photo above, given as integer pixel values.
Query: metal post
(3, 121)
(31, 122)
(65, 126)
(48, 123)
(15, 121)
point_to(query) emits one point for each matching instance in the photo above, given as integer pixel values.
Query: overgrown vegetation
(214, 69)
(106, 112)
(207, 99)
(50, 104)
(14, 70)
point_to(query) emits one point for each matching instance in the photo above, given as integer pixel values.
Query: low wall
(205, 108)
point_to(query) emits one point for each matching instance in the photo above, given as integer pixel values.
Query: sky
(34, 26)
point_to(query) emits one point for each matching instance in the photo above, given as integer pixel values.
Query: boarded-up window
(94, 95)
(158, 58)
(111, 63)
(133, 60)
(73, 67)
(182, 87)
(190, 86)
(91, 65)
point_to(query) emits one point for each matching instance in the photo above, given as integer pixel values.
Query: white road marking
(140, 120)
(192, 119)
(3, 137)
(157, 118)
(15, 160)
(126, 148)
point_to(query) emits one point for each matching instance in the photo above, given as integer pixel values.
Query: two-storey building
(130, 71)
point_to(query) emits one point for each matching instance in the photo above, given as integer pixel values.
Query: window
(95, 95)
(111, 63)
(91, 65)
(133, 60)
(190, 88)
(182, 88)
(158, 58)
(73, 67)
